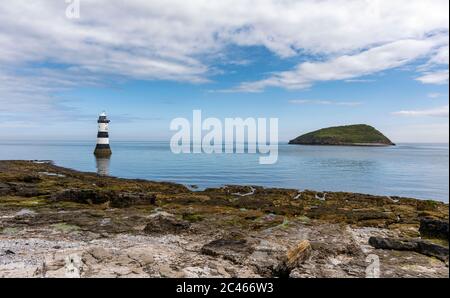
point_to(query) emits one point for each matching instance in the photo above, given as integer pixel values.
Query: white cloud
(435, 78)
(325, 102)
(371, 61)
(435, 112)
(432, 71)
(178, 40)
(441, 56)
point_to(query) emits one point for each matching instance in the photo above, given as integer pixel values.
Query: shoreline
(116, 227)
(196, 188)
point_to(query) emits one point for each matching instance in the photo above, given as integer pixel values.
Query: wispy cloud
(346, 67)
(360, 81)
(435, 78)
(325, 102)
(434, 95)
(435, 71)
(434, 112)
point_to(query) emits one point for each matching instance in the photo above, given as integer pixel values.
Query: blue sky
(312, 64)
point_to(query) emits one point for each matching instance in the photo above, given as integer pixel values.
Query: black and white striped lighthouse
(103, 149)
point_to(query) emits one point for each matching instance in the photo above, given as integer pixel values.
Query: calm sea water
(412, 170)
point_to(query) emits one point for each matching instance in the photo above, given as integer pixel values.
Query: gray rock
(4, 189)
(162, 224)
(419, 246)
(233, 249)
(26, 212)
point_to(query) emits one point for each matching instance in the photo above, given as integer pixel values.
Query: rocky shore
(57, 222)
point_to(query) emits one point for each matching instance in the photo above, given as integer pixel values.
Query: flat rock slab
(419, 246)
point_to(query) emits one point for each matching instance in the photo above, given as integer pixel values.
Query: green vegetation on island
(354, 135)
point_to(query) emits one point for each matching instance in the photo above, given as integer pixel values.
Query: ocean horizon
(416, 170)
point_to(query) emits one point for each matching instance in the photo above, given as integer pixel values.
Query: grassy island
(350, 135)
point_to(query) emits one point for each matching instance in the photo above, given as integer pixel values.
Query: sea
(409, 170)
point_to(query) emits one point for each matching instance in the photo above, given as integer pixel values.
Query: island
(58, 222)
(349, 135)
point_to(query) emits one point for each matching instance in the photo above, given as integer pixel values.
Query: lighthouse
(102, 149)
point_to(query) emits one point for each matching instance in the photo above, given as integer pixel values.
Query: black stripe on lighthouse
(102, 134)
(102, 146)
(103, 119)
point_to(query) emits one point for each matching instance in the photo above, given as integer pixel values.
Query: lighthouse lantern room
(103, 149)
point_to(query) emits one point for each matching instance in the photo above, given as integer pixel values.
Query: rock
(293, 258)
(419, 246)
(275, 259)
(141, 255)
(99, 254)
(432, 228)
(433, 250)
(7, 253)
(4, 189)
(84, 196)
(26, 190)
(30, 179)
(131, 199)
(162, 224)
(97, 197)
(393, 244)
(222, 272)
(166, 271)
(26, 212)
(233, 247)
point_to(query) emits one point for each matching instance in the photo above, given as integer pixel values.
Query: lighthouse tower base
(102, 151)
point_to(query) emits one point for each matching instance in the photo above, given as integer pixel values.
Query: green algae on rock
(153, 229)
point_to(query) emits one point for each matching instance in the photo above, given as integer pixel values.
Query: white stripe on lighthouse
(103, 141)
(102, 127)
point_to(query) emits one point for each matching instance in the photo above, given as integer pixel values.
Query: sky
(310, 63)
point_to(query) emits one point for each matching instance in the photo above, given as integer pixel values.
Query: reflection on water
(103, 165)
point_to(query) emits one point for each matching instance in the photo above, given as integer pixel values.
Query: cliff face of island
(57, 222)
(350, 135)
